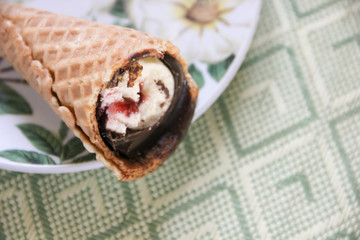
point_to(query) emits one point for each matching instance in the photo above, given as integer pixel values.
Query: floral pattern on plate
(204, 30)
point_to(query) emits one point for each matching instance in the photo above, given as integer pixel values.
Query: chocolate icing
(161, 139)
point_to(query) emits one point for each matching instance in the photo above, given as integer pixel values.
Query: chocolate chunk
(163, 88)
(161, 139)
(134, 72)
(115, 79)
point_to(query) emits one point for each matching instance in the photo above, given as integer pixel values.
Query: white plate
(215, 45)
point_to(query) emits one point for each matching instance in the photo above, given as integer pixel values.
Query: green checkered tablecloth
(276, 157)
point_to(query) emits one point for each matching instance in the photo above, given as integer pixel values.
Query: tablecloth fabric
(276, 157)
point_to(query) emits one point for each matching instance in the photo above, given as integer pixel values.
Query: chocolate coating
(161, 139)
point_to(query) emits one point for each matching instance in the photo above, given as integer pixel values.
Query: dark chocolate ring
(161, 139)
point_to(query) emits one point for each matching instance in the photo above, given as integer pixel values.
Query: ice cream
(141, 95)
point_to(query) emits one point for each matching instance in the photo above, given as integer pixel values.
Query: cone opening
(161, 137)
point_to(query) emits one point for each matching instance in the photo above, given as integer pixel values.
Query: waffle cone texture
(69, 61)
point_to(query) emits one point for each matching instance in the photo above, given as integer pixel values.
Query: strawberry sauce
(127, 107)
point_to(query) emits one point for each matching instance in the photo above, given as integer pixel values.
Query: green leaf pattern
(49, 143)
(218, 70)
(26, 157)
(11, 102)
(72, 148)
(63, 131)
(85, 158)
(41, 138)
(197, 75)
(118, 9)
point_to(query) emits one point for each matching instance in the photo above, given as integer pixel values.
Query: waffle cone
(69, 61)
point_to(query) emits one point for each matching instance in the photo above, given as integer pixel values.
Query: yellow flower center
(203, 11)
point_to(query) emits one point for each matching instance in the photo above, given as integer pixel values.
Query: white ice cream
(143, 104)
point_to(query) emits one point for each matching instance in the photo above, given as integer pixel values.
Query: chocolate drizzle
(161, 139)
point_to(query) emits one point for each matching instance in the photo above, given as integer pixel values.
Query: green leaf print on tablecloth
(11, 102)
(26, 157)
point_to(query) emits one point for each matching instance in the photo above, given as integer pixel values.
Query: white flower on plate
(205, 30)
